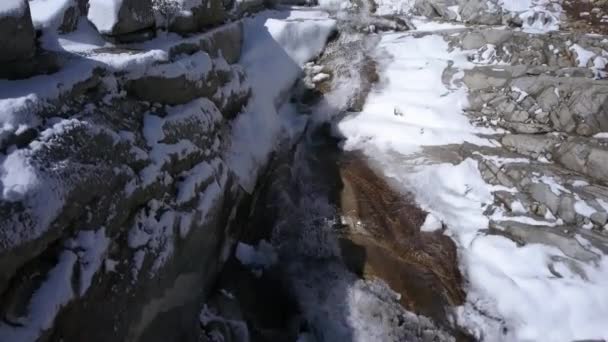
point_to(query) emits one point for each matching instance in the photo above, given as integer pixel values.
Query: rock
(526, 128)
(437, 8)
(121, 17)
(482, 78)
(566, 209)
(584, 156)
(548, 99)
(60, 15)
(17, 36)
(542, 193)
(200, 14)
(597, 165)
(190, 78)
(574, 155)
(531, 145)
(529, 234)
(477, 12)
(600, 218)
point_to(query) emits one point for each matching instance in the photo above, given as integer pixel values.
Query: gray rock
(477, 12)
(548, 99)
(542, 193)
(566, 209)
(526, 128)
(530, 145)
(599, 217)
(597, 165)
(545, 235)
(17, 36)
(482, 78)
(208, 14)
(133, 16)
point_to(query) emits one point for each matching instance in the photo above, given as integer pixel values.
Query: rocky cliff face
(171, 170)
(117, 203)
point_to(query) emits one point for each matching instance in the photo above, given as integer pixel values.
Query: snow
(90, 246)
(276, 46)
(583, 56)
(12, 8)
(260, 256)
(392, 7)
(602, 135)
(49, 13)
(514, 293)
(104, 14)
(431, 224)
(411, 107)
(582, 208)
(194, 68)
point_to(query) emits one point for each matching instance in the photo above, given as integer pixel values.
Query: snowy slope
(512, 293)
(277, 44)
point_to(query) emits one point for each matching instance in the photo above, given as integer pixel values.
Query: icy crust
(12, 8)
(514, 292)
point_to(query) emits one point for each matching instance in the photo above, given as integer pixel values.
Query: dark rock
(17, 35)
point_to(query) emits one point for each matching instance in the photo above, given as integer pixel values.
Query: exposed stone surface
(135, 201)
(17, 36)
(207, 14)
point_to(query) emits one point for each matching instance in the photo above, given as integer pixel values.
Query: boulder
(17, 35)
(194, 18)
(530, 145)
(121, 17)
(584, 156)
(60, 16)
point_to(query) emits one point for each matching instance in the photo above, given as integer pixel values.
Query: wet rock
(17, 36)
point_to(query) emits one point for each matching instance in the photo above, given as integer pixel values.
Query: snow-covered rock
(17, 36)
(57, 15)
(121, 17)
(195, 15)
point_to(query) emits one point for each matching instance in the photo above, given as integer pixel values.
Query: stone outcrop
(129, 202)
(17, 36)
(207, 13)
(122, 19)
